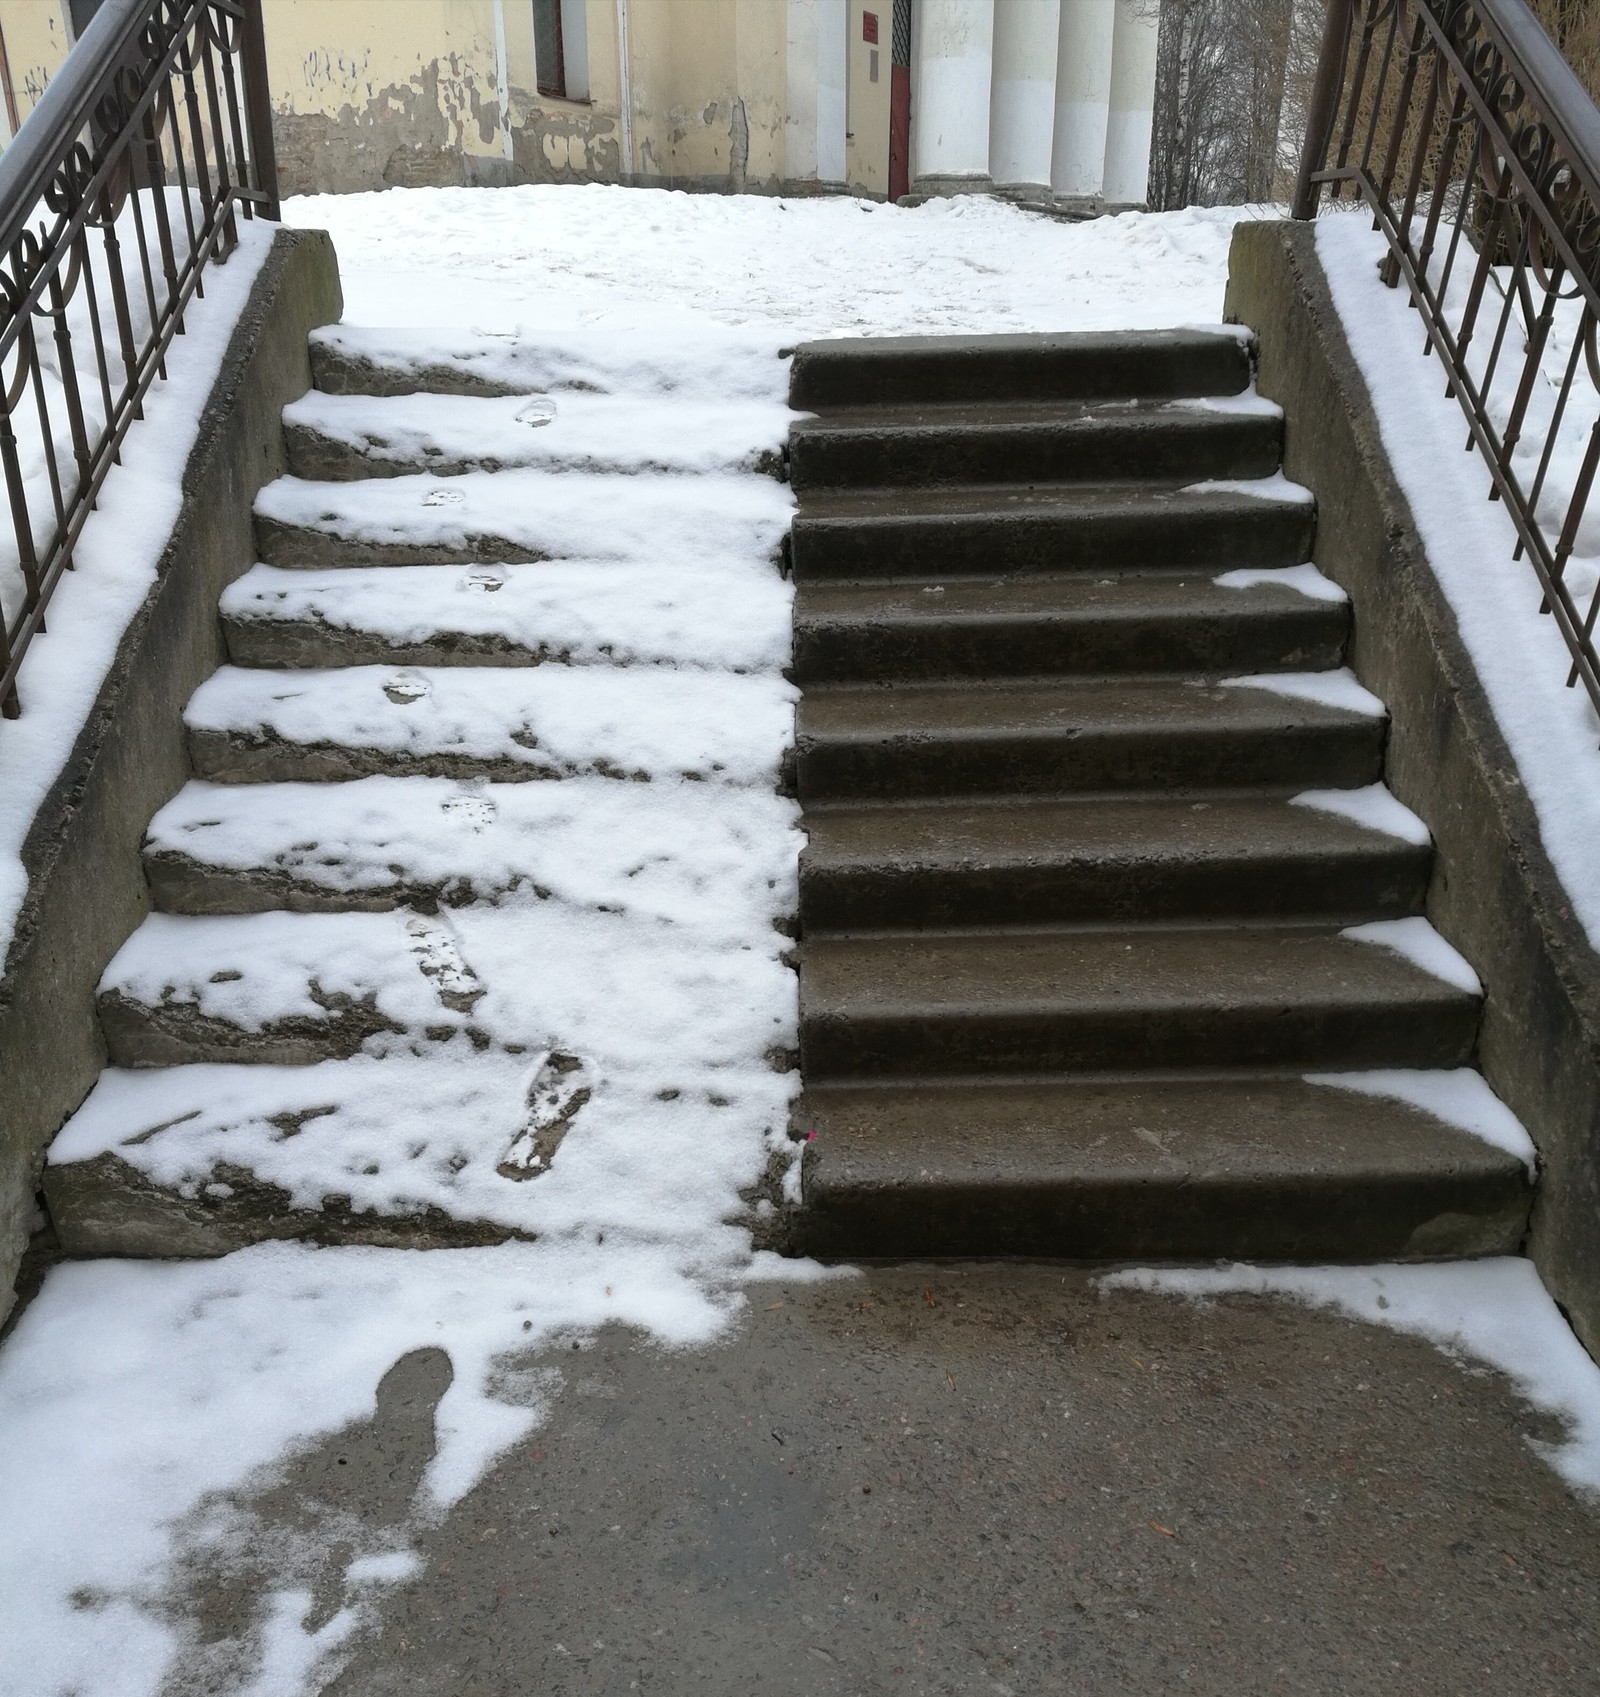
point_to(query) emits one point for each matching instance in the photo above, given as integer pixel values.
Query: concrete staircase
(337, 1013)
(1112, 948)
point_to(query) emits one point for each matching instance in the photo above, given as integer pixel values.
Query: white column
(814, 124)
(1022, 92)
(1133, 103)
(1083, 97)
(950, 95)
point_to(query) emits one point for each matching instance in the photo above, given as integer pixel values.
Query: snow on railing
(1477, 150)
(122, 185)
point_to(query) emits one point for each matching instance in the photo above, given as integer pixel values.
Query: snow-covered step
(725, 617)
(352, 436)
(521, 516)
(294, 988)
(505, 723)
(416, 1151)
(723, 362)
(711, 856)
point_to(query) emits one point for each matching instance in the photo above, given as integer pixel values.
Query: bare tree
(1220, 67)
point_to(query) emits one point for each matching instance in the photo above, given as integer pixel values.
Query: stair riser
(141, 1036)
(279, 544)
(178, 885)
(220, 758)
(104, 1207)
(1365, 1219)
(831, 650)
(1388, 885)
(1333, 757)
(323, 459)
(1432, 1031)
(293, 644)
(1270, 534)
(338, 373)
(1193, 447)
(1094, 369)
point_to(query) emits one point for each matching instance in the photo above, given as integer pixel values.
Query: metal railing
(1477, 151)
(123, 184)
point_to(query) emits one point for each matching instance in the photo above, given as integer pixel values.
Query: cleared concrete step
(1252, 1169)
(1100, 860)
(1048, 623)
(988, 529)
(1078, 734)
(1028, 441)
(905, 370)
(1124, 1000)
(337, 438)
(508, 724)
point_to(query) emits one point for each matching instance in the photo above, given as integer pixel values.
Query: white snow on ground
(1493, 1311)
(115, 563)
(1552, 731)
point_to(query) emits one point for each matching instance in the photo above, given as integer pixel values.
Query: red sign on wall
(869, 27)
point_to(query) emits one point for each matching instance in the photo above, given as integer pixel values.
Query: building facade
(1046, 100)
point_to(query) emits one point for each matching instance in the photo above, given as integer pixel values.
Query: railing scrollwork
(126, 181)
(1477, 151)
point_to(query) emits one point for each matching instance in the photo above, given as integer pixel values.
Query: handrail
(1472, 140)
(120, 187)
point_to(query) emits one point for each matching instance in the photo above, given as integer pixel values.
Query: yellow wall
(37, 39)
(369, 93)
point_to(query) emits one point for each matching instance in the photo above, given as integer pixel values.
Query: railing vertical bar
(72, 185)
(1523, 209)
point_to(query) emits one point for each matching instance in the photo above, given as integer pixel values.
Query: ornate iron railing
(1477, 150)
(123, 184)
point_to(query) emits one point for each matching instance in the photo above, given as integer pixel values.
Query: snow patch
(1373, 807)
(1417, 940)
(1493, 1311)
(1459, 1096)
(1307, 579)
(1334, 688)
(1274, 488)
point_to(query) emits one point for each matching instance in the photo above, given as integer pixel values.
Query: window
(561, 49)
(549, 56)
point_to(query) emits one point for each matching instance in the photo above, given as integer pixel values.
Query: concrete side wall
(1494, 893)
(86, 888)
